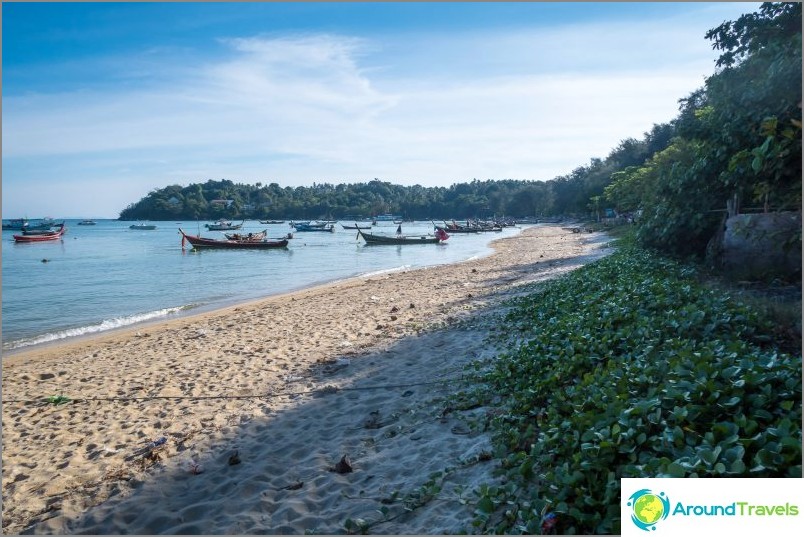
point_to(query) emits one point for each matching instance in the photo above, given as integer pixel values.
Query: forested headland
(734, 146)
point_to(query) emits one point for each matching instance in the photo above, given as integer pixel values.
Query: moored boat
(87, 223)
(224, 225)
(202, 242)
(373, 238)
(356, 226)
(16, 224)
(309, 226)
(44, 236)
(142, 227)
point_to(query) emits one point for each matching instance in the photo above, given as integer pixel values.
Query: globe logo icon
(648, 508)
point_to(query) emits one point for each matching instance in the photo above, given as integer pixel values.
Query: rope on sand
(320, 391)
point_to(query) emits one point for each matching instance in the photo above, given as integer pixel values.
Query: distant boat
(356, 226)
(46, 224)
(387, 217)
(142, 227)
(16, 223)
(43, 235)
(272, 221)
(200, 242)
(224, 225)
(308, 226)
(373, 238)
(87, 223)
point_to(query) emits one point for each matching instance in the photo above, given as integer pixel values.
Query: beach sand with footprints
(318, 411)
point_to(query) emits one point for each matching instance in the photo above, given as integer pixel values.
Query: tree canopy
(737, 139)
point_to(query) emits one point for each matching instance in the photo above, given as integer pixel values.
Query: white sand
(293, 383)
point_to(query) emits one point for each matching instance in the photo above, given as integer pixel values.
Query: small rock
(412, 306)
(394, 309)
(234, 458)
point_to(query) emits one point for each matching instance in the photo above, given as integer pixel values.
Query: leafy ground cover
(629, 367)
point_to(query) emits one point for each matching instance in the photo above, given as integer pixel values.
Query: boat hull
(201, 242)
(371, 238)
(50, 236)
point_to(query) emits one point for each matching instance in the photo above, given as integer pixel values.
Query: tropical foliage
(737, 140)
(629, 368)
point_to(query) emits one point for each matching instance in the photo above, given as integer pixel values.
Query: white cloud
(416, 109)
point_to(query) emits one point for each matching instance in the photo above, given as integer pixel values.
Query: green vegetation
(630, 367)
(737, 139)
(736, 142)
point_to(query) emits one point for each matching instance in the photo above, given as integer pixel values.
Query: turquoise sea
(107, 276)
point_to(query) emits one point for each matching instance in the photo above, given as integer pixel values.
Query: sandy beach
(311, 412)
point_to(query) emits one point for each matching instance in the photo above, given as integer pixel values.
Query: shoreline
(291, 383)
(226, 304)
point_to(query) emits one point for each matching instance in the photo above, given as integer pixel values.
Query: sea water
(107, 276)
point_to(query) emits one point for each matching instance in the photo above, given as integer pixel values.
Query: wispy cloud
(415, 109)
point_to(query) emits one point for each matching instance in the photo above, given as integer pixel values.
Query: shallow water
(108, 276)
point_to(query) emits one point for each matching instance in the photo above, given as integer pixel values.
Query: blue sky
(103, 103)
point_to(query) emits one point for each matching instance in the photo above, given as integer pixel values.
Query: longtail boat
(201, 242)
(224, 225)
(46, 236)
(373, 238)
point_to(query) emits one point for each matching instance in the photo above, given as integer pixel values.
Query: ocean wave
(386, 271)
(107, 324)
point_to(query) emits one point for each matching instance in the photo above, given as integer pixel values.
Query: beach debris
(549, 522)
(58, 400)
(412, 306)
(234, 458)
(158, 442)
(343, 466)
(474, 270)
(394, 309)
(374, 298)
(150, 451)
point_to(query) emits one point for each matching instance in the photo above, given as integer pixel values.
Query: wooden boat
(224, 225)
(40, 230)
(247, 236)
(87, 223)
(46, 224)
(142, 227)
(373, 238)
(47, 236)
(308, 226)
(356, 226)
(201, 242)
(16, 224)
(272, 221)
